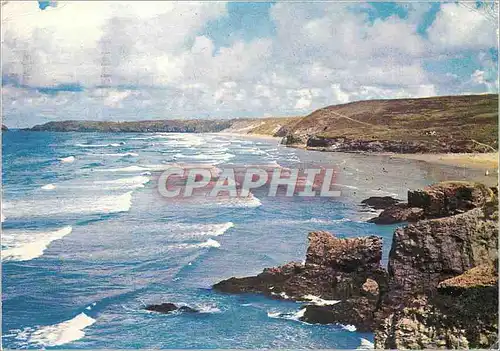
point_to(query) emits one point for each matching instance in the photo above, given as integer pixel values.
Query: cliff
(467, 123)
(335, 269)
(176, 126)
(440, 289)
(264, 126)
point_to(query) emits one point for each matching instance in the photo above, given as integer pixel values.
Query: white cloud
(457, 27)
(151, 59)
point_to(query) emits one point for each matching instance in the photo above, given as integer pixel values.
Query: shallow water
(87, 241)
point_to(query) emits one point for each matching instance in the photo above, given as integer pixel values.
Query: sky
(138, 60)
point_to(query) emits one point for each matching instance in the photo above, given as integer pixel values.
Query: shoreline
(479, 161)
(253, 136)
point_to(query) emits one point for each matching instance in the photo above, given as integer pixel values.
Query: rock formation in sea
(435, 286)
(380, 202)
(4, 128)
(335, 269)
(169, 307)
(438, 200)
(441, 286)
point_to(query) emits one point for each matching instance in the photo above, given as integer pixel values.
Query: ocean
(87, 241)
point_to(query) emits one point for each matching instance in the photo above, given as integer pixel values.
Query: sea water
(87, 241)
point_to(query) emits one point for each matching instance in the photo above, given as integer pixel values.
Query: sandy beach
(486, 161)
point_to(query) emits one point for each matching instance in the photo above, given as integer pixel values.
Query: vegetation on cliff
(467, 123)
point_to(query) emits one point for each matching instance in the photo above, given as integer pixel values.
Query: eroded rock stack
(441, 286)
(335, 269)
(435, 201)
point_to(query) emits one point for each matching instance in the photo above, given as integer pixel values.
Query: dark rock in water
(438, 200)
(170, 307)
(335, 269)
(380, 202)
(357, 312)
(397, 214)
(4, 128)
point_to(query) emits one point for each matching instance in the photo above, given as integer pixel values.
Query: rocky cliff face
(440, 289)
(462, 313)
(438, 200)
(335, 269)
(434, 294)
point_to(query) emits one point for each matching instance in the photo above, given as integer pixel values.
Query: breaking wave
(25, 246)
(57, 334)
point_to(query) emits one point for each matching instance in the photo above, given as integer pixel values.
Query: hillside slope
(261, 126)
(181, 126)
(272, 126)
(467, 123)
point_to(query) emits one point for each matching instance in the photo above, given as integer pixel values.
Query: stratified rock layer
(435, 201)
(443, 290)
(335, 269)
(440, 290)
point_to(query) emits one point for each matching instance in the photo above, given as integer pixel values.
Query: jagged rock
(335, 269)
(292, 139)
(427, 252)
(449, 198)
(380, 202)
(462, 314)
(438, 200)
(397, 214)
(346, 255)
(357, 311)
(319, 141)
(169, 307)
(435, 293)
(484, 275)
(370, 287)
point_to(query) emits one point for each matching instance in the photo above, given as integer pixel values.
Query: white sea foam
(244, 202)
(82, 205)
(349, 327)
(57, 334)
(130, 182)
(283, 295)
(48, 187)
(316, 221)
(207, 308)
(3, 217)
(365, 345)
(25, 246)
(68, 159)
(216, 157)
(194, 230)
(209, 243)
(125, 169)
(295, 316)
(316, 300)
(206, 244)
